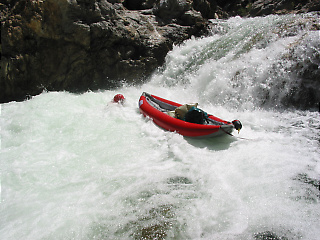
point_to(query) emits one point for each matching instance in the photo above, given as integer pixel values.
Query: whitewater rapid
(76, 166)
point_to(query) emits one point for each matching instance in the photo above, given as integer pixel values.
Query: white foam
(79, 167)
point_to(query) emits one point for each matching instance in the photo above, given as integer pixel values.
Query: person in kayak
(119, 98)
(190, 113)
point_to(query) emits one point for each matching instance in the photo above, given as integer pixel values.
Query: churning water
(79, 167)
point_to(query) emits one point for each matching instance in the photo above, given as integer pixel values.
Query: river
(76, 166)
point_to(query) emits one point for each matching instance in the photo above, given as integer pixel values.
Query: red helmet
(119, 98)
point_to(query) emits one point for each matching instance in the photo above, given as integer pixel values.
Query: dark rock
(87, 44)
(303, 177)
(254, 8)
(309, 191)
(91, 44)
(267, 235)
(139, 4)
(207, 8)
(265, 7)
(179, 180)
(171, 9)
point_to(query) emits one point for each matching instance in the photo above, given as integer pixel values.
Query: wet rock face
(77, 45)
(255, 8)
(265, 7)
(87, 44)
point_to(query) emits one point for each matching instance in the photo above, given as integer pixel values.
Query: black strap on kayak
(208, 119)
(233, 135)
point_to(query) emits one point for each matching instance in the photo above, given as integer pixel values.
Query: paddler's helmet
(237, 125)
(119, 98)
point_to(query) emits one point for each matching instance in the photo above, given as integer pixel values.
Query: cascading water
(254, 62)
(81, 167)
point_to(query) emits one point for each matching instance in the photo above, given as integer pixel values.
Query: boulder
(252, 8)
(266, 7)
(77, 45)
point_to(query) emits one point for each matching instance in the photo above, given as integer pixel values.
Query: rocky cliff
(76, 45)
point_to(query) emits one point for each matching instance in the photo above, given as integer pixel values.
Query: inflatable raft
(165, 114)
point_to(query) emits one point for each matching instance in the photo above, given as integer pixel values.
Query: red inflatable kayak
(161, 111)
